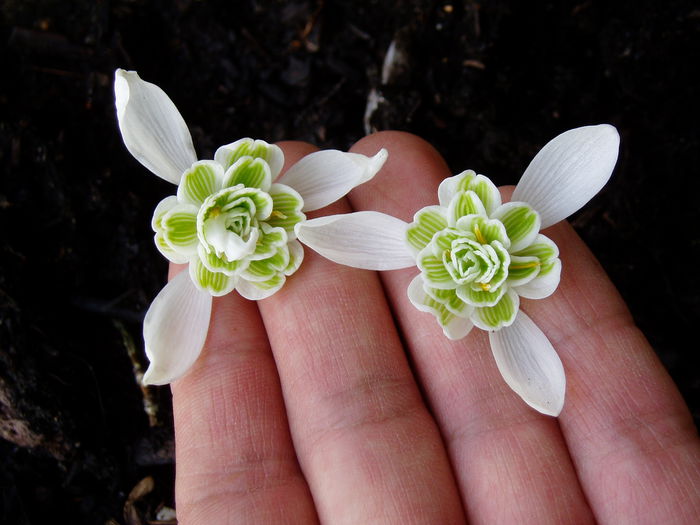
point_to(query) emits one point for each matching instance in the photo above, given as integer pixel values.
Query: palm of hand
(309, 406)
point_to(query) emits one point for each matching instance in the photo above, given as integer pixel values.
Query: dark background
(486, 83)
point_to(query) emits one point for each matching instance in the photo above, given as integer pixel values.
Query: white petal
(530, 365)
(175, 329)
(152, 128)
(364, 239)
(569, 171)
(325, 176)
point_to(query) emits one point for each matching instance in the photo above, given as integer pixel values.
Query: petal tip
(377, 161)
(552, 408)
(121, 92)
(608, 137)
(153, 378)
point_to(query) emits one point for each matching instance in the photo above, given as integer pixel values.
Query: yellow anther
(479, 236)
(214, 212)
(485, 286)
(278, 214)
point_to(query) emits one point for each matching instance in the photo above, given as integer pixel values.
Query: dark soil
(487, 83)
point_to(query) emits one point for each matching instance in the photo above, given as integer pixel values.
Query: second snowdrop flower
(477, 256)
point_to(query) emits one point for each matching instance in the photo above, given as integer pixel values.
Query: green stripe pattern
(286, 208)
(250, 172)
(199, 182)
(426, 223)
(497, 316)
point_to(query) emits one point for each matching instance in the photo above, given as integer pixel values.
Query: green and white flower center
(231, 223)
(227, 221)
(478, 256)
(484, 265)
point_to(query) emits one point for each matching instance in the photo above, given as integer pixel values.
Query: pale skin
(336, 401)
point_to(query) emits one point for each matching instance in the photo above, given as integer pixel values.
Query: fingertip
(409, 178)
(294, 150)
(403, 147)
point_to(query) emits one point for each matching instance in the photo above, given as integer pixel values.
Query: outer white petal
(325, 176)
(175, 329)
(364, 239)
(152, 128)
(569, 171)
(530, 365)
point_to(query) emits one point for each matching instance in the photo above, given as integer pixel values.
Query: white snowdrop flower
(231, 220)
(477, 256)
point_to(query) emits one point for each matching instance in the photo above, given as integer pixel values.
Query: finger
(368, 447)
(511, 462)
(629, 432)
(234, 454)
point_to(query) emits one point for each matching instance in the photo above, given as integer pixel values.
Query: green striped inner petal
(249, 171)
(256, 202)
(497, 316)
(163, 207)
(433, 270)
(469, 181)
(275, 281)
(286, 208)
(426, 223)
(474, 295)
(522, 269)
(246, 147)
(200, 181)
(450, 300)
(542, 247)
(215, 283)
(485, 230)
(487, 191)
(548, 266)
(296, 256)
(167, 251)
(501, 273)
(462, 204)
(439, 310)
(266, 269)
(522, 223)
(269, 241)
(443, 240)
(219, 264)
(180, 227)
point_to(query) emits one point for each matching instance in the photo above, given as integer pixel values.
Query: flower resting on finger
(477, 256)
(231, 220)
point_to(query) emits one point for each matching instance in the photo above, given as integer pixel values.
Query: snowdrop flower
(231, 221)
(477, 256)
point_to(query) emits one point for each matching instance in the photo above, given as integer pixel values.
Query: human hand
(335, 400)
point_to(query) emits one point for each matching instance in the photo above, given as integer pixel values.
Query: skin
(336, 401)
